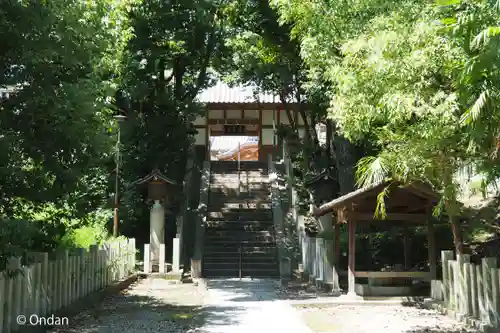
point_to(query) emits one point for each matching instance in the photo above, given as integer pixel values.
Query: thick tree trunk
(457, 235)
(345, 162)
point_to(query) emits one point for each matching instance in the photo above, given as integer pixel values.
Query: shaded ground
(243, 306)
(151, 305)
(369, 318)
(156, 305)
(299, 290)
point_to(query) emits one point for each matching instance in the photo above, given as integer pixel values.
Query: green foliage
(168, 63)
(61, 62)
(418, 78)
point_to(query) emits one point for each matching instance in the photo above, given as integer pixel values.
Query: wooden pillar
(351, 224)
(406, 247)
(431, 247)
(336, 244)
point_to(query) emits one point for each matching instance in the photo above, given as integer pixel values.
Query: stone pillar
(351, 224)
(176, 251)
(157, 236)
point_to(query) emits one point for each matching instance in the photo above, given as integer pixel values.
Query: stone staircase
(239, 235)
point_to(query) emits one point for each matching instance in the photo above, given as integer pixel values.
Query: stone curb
(85, 303)
(332, 303)
(471, 322)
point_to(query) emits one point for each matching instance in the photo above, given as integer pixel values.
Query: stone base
(385, 291)
(350, 297)
(167, 276)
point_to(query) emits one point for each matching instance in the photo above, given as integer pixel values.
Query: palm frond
(473, 113)
(380, 209)
(371, 170)
(484, 37)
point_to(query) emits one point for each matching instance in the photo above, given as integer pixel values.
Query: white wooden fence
(468, 291)
(46, 286)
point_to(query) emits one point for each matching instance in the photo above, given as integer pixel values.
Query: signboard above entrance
(234, 129)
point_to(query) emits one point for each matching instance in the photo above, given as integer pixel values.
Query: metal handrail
(240, 266)
(239, 168)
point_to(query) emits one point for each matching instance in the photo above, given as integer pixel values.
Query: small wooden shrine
(407, 204)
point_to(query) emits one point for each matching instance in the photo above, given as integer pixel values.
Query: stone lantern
(160, 189)
(323, 187)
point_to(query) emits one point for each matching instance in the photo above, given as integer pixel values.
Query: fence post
(176, 252)
(161, 263)
(107, 256)
(102, 267)
(494, 295)
(71, 280)
(445, 257)
(7, 297)
(451, 284)
(26, 290)
(123, 258)
(37, 258)
(474, 297)
(468, 285)
(50, 286)
(14, 266)
(3, 298)
(487, 265)
(147, 266)
(65, 278)
(94, 267)
(133, 249)
(79, 272)
(462, 283)
(44, 282)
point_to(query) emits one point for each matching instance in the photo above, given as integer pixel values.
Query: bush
(17, 237)
(93, 231)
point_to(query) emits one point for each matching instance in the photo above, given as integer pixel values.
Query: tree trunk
(457, 235)
(345, 163)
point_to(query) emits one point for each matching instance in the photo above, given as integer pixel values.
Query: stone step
(234, 272)
(236, 173)
(234, 215)
(217, 205)
(236, 243)
(239, 234)
(270, 265)
(247, 239)
(210, 249)
(242, 183)
(247, 165)
(260, 251)
(240, 200)
(239, 225)
(228, 194)
(235, 256)
(243, 190)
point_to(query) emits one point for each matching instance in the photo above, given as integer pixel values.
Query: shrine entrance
(234, 143)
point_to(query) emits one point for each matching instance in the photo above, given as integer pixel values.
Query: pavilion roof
(417, 194)
(154, 175)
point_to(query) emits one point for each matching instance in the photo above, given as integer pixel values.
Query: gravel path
(244, 306)
(150, 305)
(375, 319)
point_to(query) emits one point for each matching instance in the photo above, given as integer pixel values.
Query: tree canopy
(417, 78)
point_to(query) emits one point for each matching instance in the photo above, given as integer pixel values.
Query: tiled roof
(223, 93)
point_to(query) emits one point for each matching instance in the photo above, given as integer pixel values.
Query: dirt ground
(377, 319)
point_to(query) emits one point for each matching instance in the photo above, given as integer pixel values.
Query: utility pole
(119, 119)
